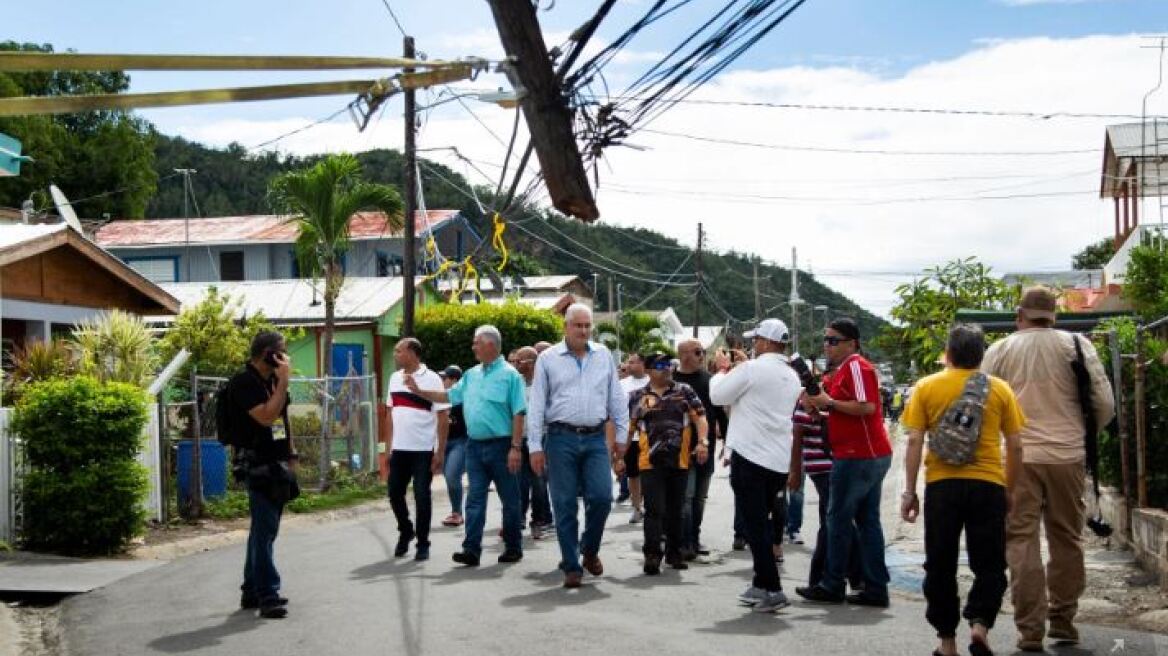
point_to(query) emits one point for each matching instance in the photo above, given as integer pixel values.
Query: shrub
(83, 489)
(1156, 410)
(446, 330)
(116, 346)
(36, 361)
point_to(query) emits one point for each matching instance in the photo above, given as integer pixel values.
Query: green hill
(230, 182)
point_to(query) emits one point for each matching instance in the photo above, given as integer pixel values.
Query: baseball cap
(658, 361)
(1038, 303)
(772, 329)
(452, 371)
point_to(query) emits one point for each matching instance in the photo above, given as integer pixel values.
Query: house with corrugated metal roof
(52, 277)
(368, 311)
(260, 247)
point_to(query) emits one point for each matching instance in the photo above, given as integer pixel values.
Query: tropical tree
(115, 346)
(639, 332)
(929, 305)
(320, 200)
(1147, 278)
(1094, 256)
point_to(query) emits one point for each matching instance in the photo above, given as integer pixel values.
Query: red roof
(261, 228)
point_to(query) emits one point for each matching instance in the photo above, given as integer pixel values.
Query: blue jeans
(855, 496)
(795, 511)
(578, 462)
(260, 578)
(486, 462)
(453, 468)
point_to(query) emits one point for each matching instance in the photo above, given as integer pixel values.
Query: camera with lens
(1099, 527)
(806, 378)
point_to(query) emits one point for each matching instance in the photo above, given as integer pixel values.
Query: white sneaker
(752, 596)
(637, 517)
(772, 602)
(795, 538)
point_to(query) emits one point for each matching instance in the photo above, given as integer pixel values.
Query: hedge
(83, 489)
(446, 330)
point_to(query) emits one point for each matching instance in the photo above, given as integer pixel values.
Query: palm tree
(639, 333)
(320, 200)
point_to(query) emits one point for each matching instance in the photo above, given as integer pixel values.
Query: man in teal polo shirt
(492, 395)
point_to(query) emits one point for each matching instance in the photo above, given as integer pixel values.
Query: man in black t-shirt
(259, 406)
(692, 371)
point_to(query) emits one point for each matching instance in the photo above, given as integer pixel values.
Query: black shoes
(652, 565)
(819, 594)
(248, 602)
(677, 562)
(273, 611)
(739, 544)
(466, 558)
(422, 552)
(510, 556)
(403, 544)
(861, 599)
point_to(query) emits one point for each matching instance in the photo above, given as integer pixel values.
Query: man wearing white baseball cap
(761, 394)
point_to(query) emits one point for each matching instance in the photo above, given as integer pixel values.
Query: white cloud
(845, 223)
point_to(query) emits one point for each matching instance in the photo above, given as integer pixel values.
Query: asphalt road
(350, 596)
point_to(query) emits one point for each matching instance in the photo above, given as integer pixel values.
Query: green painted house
(368, 313)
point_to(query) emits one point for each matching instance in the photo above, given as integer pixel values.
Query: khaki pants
(1050, 495)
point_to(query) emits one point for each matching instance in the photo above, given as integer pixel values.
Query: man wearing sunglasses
(691, 370)
(863, 454)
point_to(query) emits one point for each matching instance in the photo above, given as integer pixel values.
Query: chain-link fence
(12, 468)
(348, 439)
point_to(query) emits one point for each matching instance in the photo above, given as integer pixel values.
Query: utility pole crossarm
(72, 61)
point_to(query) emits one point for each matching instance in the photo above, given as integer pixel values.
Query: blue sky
(863, 215)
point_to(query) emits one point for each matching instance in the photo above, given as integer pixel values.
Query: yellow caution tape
(497, 240)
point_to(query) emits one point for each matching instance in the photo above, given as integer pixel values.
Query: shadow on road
(845, 615)
(384, 569)
(749, 624)
(665, 580)
(238, 622)
(551, 599)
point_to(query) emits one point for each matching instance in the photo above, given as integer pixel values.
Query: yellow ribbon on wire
(470, 272)
(497, 240)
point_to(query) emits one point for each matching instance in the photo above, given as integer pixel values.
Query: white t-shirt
(630, 384)
(415, 422)
(762, 394)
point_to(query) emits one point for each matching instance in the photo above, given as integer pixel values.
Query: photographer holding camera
(257, 401)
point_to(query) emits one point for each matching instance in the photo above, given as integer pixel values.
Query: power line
(300, 129)
(120, 190)
(755, 198)
(659, 289)
(862, 151)
(394, 17)
(893, 109)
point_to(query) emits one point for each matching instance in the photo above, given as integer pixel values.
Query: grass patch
(4, 546)
(344, 493)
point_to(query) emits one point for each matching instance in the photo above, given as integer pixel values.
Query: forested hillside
(230, 182)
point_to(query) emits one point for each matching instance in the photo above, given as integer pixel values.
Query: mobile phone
(271, 359)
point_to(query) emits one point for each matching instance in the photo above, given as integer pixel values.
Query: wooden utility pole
(549, 120)
(757, 298)
(698, 289)
(411, 202)
(611, 295)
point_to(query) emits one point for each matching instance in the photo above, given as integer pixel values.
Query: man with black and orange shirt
(258, 398)
(670, 420)
(416, 430)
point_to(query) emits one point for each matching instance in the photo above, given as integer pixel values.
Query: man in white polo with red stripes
(416, 439)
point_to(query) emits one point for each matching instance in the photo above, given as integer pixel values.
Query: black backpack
(224, 413)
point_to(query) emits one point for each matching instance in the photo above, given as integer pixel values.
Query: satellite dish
(65, 208)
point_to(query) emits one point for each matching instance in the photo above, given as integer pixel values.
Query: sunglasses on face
(832, 340)
(662, 366)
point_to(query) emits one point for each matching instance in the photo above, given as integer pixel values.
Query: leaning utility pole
(795, 300)
(698, 289)
(411, 202)
(186, 174)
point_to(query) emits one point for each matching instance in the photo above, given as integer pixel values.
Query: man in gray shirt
(575, 391)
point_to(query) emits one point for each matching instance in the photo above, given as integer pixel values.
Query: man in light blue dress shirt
(576, 390)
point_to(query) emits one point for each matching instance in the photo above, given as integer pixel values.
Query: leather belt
(579, 430)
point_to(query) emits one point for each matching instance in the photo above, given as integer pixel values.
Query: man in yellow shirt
(974, 497)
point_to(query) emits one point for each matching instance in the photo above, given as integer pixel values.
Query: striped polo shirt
(816, 459)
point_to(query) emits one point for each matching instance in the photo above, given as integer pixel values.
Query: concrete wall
(1150, 541)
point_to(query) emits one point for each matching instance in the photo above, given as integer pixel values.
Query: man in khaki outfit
(1036, 361)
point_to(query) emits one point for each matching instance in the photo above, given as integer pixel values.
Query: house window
(155, 269)
(388, 265)
(231, 266)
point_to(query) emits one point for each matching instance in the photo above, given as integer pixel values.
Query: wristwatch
(830, 405)
(517, 447)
